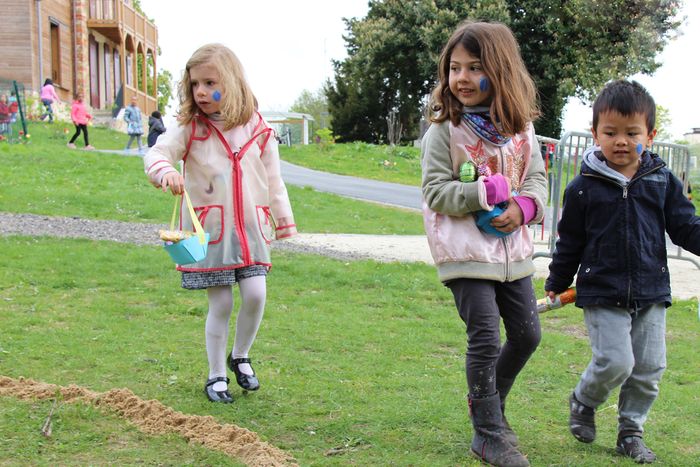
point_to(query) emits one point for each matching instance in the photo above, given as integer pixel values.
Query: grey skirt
(204, 280)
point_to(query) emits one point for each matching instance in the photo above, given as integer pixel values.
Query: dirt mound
(152, 417)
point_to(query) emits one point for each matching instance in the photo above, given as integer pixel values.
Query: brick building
(104, 49)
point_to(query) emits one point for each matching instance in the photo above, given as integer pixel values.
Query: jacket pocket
(600, 269)
(212, 219)
(457, 239)
(652, 271)
(265, 223)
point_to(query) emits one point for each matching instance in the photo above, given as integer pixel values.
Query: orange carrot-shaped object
(564, 298)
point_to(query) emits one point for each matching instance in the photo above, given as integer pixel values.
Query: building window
(129, 70)
(55, 52)
(109, 83)
(117, 76)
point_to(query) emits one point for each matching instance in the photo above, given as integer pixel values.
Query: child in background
(4, 115)
(80, 116)
(134, 127)
(14, 106)
(232, 174)
(48, 96)
(481, 112)
(155, 128)
(612, 233)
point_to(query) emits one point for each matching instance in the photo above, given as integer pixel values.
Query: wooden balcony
(116, 19)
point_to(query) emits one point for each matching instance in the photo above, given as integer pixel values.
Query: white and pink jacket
(234, 181)
(458, 247)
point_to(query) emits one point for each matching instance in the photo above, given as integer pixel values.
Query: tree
(392, 60)
(574, 48)
(314, 104)
(663, 122)
(571, 49)
(165, 89)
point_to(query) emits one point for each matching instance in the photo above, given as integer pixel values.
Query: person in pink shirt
(48, 97)
(80, 116)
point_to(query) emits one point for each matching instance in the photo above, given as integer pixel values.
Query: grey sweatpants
(629, 349)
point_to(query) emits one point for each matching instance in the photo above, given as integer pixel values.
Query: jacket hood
(594, 162)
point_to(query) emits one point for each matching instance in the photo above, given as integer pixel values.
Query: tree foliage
(663, 123)
(165, 89)
(314, 104)
(571, 48)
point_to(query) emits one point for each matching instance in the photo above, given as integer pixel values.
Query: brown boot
(489, 442)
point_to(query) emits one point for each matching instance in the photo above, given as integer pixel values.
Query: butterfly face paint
(216, 96)
(640, 148)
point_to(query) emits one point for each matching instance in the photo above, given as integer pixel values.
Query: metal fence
(564, 163)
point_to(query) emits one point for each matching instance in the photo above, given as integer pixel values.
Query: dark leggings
(78, 129)
(481, 304)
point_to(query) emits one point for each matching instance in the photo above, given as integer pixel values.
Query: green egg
(467, 172)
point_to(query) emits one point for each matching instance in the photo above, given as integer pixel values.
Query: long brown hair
(237, 103)
(514, 101)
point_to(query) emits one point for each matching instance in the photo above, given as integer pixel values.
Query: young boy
(612, 233)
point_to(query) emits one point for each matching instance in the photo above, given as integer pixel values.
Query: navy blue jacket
(616, 235)
(155, 129)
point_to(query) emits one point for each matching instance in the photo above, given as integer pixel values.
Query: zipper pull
(624, 192)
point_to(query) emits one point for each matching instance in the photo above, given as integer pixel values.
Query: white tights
(253, 292)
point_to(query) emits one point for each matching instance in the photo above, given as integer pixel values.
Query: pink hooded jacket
(79, 113)
(49, 92)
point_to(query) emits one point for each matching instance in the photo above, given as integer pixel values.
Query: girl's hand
(175, 181)
(510, 220)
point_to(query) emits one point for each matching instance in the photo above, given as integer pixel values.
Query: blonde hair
(514, 101)
(237, 104)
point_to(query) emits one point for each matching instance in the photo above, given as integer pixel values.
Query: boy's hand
(510, 220)
(175, 181)
(550, 294)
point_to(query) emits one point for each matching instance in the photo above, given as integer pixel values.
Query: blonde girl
(231, 172)
(481, 112)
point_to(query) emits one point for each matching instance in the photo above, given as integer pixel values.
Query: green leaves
(570, 48)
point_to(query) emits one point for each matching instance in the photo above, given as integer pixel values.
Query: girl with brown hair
(481, 113)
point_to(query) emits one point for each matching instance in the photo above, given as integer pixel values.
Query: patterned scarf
(481, 124)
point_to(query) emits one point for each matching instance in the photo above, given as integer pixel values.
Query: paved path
(395, 194)
(685, 276)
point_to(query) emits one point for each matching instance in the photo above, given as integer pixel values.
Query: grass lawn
(59, 133)
(361, 363)
(376, 377)
(45, 177)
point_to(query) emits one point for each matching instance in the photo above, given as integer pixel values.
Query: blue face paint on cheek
(216, 96)
(484, 84)
(640, 148)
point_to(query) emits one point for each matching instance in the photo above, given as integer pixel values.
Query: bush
(325, 138)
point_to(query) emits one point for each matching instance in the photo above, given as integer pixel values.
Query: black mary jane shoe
(217, 396)
(247, 382)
